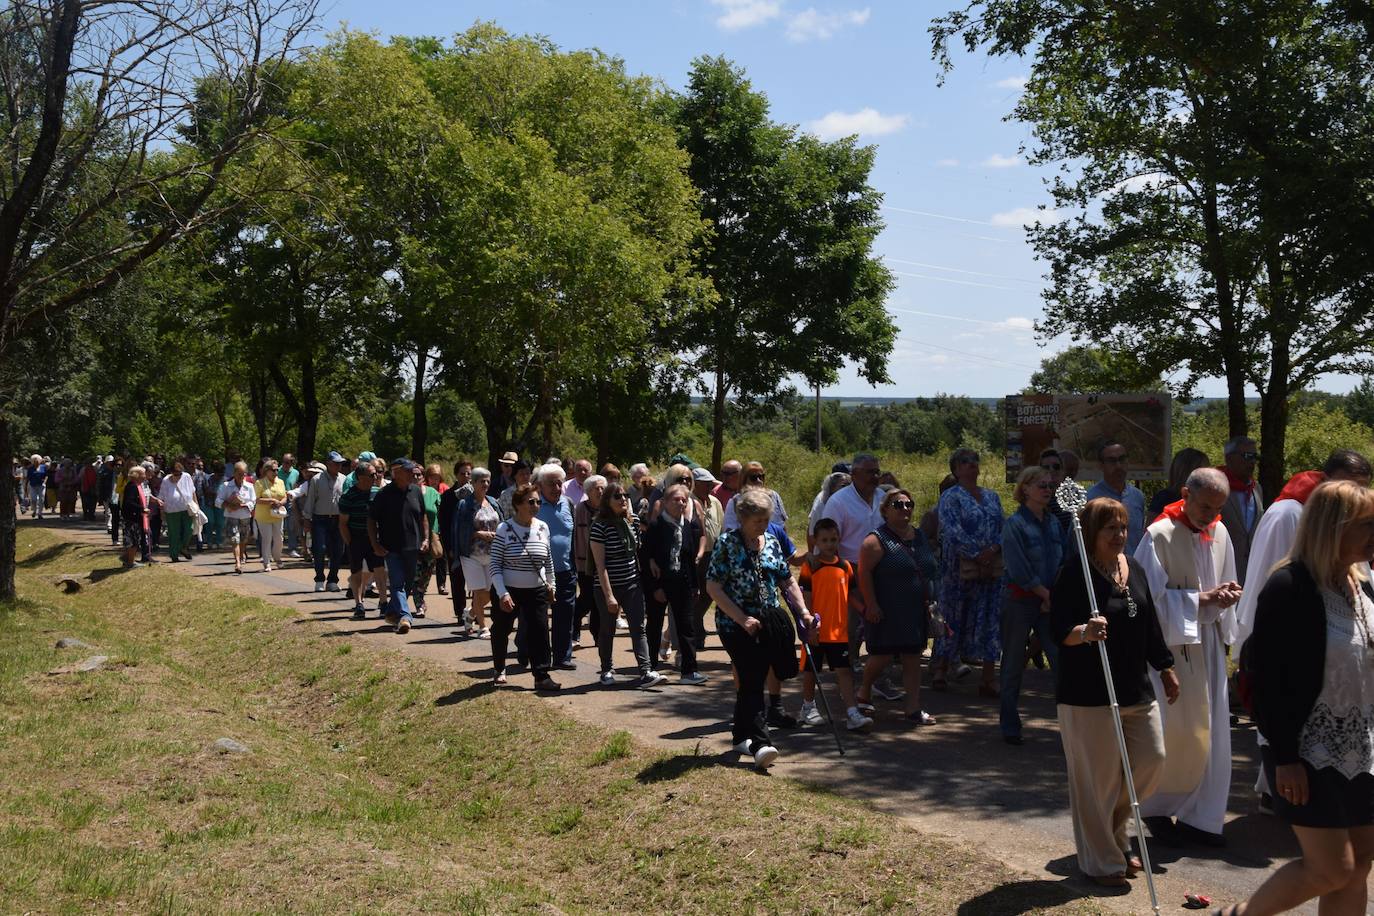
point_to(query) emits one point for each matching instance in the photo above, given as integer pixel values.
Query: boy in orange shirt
(827, 584)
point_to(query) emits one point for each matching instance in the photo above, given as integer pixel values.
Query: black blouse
(1131, 641)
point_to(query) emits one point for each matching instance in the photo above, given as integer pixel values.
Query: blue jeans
(564, 612)
(400, 577)
(289, 532)
(328, 543)
(1020, 616)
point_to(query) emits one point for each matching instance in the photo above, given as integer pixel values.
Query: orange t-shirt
(829, 585)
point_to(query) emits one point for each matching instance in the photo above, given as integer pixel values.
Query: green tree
(1086, 369)
(99, 175)
(1216, 158)
(793, 221)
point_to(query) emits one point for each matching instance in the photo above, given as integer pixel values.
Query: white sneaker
(484, 633)
(696, 677)
(810, 715)
(607, 679)
(295, 554)
(765, 756)
(621, 623)
(651, 679)
(319, 586)
(857, 720)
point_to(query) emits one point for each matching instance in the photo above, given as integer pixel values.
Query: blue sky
(956, 186)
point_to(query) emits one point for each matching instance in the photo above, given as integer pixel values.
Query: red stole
(1238, 485)
(1174, 511)
(1300, 486)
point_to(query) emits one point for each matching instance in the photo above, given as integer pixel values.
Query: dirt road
(956, 779)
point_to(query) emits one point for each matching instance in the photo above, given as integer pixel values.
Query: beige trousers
(1098, 799)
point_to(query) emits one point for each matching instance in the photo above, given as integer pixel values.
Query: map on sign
(1083, 423)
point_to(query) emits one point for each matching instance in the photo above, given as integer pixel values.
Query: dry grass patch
(378, 783)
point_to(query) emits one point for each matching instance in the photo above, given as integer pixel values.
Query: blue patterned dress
(972, 607)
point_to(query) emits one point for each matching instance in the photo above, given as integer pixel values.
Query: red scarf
(1175, 512)
(1238, 485)
(1300, 486)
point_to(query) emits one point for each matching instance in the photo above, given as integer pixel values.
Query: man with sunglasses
(1243, 510)
(857, 510)
(729, 485)
(1114, 485)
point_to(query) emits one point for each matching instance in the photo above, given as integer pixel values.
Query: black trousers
(585, 608)
(678, 591)
(751, 661)
(532, 612)
(458, 592)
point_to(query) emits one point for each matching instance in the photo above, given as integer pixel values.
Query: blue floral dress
(972, 607)
(751, 580)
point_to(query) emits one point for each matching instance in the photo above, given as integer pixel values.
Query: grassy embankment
(378, 783)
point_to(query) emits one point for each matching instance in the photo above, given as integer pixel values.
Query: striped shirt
(521, 557)
(621, 562)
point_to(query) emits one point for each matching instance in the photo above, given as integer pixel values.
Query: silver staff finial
(1071, 497)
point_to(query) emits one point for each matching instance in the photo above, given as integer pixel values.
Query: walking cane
(820, 688)
(1072, 499)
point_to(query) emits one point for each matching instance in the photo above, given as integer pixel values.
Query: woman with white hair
(748, 568)
(237, 497)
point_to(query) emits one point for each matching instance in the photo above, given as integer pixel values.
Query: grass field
(377, 783)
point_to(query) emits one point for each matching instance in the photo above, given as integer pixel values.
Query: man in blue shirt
(556, 511)
(1112, 457)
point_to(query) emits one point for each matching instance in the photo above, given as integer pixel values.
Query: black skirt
(1333, 801)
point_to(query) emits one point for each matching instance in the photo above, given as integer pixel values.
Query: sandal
(1134, 866)
(921, 717)
(499, 680)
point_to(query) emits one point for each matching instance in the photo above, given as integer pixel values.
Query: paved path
(957, 779)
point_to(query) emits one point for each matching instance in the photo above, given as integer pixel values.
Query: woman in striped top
(522, 577)
(614, 542)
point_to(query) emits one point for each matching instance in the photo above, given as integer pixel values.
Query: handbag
(970, 569)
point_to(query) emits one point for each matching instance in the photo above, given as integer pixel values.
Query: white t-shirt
(857, 519)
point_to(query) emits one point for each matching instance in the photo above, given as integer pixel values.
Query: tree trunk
(1232, 352)
(1273, 435)
(257, 402)
(223, 423)
(419, 430)
(493, 419)
(718, 422)
(310, 409)
(7, 519)
(603, 424)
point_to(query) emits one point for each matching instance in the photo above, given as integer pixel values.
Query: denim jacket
(1032, 548)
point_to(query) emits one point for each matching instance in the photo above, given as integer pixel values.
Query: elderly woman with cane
(1119, 614)
(1311, 661)
(748, 567)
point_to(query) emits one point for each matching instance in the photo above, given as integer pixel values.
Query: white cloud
(1026, 216)
(1012, 82)
(998, 161)
(811, 23)
(948, 163)
(743, 14)
(866, 121)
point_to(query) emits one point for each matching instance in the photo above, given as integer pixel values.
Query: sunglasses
(756, 477)
(872, 472)
(1119, 459)
(1250, 456)
(903, 504)
(532, 501)
(728, 473)
(619, 496)
(684, 480)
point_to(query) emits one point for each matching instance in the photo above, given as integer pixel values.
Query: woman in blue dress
(971, 575)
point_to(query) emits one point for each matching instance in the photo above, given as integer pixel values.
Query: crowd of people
(536, 556)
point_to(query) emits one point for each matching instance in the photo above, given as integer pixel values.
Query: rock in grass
(94, 663)
(71, 642)
(230, 746)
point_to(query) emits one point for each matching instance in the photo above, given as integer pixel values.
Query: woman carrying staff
(1311, 659)
(748, 568)
(1099, 800)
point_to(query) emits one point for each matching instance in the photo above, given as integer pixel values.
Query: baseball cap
(335, 457)
(703, 475)
(684, 459)
(366, 456)
(316, 466)
(404, 463)
(841, 467)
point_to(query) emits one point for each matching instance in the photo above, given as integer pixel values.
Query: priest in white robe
(1191, 567)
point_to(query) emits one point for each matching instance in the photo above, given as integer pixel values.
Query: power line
(956, 270)
(1000, 324)
(933, 215)
(945, 279)
(969, 354)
